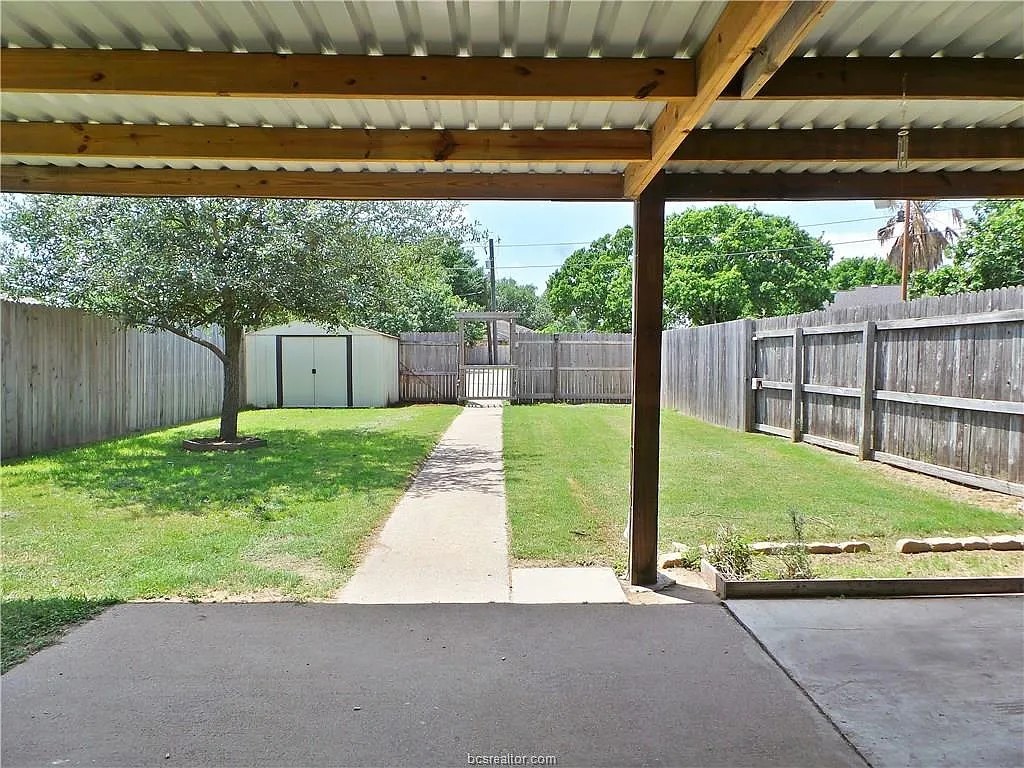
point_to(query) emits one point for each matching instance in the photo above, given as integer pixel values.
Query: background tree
(534, 312)
(592, 290)
(857, 271)
(721, 263)
(989, 254)
(725, 262)
(178, 264)
(928, 240)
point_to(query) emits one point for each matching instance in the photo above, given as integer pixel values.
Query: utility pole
(905, 272)
(492, 327)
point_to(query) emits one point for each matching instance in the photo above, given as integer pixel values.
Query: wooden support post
(462, 361)
(798, 383)
(513, 359)
(554, 368)
(648, 286)
(867, 394)
(749, 372)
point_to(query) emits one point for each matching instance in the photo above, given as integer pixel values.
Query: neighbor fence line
(70, 377)
(934, 385)
(563, 367)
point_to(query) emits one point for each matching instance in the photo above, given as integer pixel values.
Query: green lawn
(567, 471)
(140, 518)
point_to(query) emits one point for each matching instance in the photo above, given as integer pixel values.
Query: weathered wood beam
(648, 289)
(922, 79)
(142, 182)
(780, 44)
(827, 145)
(45, 140)
(271, 75)
(319, 144)
(859, 185)
(739, 30)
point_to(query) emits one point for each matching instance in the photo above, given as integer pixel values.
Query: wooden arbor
(736, 102)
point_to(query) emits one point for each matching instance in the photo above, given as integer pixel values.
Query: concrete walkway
(446, 541)
(926, 682)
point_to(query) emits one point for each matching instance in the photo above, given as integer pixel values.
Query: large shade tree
(179, 264)
(721, 263)
(989, 254)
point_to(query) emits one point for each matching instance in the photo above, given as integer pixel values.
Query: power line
(499, 244)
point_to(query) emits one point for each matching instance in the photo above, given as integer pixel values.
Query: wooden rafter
(831, 146)
(77, 140)
(780, 44)
(185, 73)
(24, 140)
(913, 185)
(266, 75)
(920, 79)
(739, 30)
(144, 182)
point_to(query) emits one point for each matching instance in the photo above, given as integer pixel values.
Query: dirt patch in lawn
(228, 596)
(1000, 502)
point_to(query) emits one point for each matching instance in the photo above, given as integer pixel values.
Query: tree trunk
(232, 382)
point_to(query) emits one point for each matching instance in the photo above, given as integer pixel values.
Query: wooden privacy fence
(935, 385)
(70, 377)
(575, 367)
(566, 367)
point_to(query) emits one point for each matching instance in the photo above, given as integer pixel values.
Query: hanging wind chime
(902, 164)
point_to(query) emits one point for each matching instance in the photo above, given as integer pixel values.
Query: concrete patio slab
(446, 540)
(566, 585)
(911, 682)
(410, 685)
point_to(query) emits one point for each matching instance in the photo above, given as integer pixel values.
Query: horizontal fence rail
(70, 377)
(934, 385)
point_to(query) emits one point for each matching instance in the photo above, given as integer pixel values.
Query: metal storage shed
(301, 365)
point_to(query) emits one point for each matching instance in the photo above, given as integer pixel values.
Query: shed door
(330, 384)
(297, 366)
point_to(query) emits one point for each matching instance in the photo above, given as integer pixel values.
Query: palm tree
(928, 242)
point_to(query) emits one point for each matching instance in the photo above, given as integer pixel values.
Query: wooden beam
(780, 44)
(889, 78)
(271, 75)
(142, 182)
(844, 186)
(852, 145)
(252, 144)
(738, 31)
(648, 287)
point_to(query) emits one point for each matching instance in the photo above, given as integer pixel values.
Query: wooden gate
(493, 381)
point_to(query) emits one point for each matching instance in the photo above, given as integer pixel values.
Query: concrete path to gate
(446, 540)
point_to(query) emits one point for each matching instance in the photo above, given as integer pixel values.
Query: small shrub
(729, 553)
(796, 563)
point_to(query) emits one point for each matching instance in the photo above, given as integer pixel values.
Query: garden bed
(914, 587)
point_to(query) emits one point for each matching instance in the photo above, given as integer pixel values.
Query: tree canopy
(533, 309)
(721, 263)
(857, 271)
(989, 254)
(181, 263)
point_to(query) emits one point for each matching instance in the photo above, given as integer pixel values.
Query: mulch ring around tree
(216, 444)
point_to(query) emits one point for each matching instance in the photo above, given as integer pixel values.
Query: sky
(533, 238)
